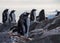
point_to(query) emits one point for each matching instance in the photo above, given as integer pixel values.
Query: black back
(4, 15)
(22, 21)
(32, 15)
(42, 15)
(10, 15)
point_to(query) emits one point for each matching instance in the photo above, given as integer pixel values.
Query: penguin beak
(28, 13)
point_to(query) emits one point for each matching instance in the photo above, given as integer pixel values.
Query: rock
(5, 27)
(53, 25)
(5, 38)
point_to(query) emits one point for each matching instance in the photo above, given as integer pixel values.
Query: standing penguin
(42, 15)
(33, 15)
(12, 16)
(19, 28)
(23, 24)
(58, 13)
(4, 16)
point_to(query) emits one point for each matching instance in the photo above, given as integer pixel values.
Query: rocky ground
(46, 31)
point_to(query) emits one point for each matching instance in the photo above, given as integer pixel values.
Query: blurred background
(21, 6)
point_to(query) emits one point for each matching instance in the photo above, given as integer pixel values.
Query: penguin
(22, 27)
(12, 16)
(33, 15)
(58, 13)
(4, 16)
(42, 15)
(25, 21)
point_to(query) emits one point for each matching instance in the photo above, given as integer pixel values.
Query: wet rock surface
(5, 38)
(39, 32)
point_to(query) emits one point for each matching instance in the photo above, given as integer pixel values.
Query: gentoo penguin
(42, 15)
(33, 15)
(58, 13)
(23, 25)
(25, 20)
(12, 16)
(4, 16)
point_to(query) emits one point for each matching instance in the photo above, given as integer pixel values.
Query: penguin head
(12, 11)
(6, 10)
(42, 10)
(26, 13)
(33, 10)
